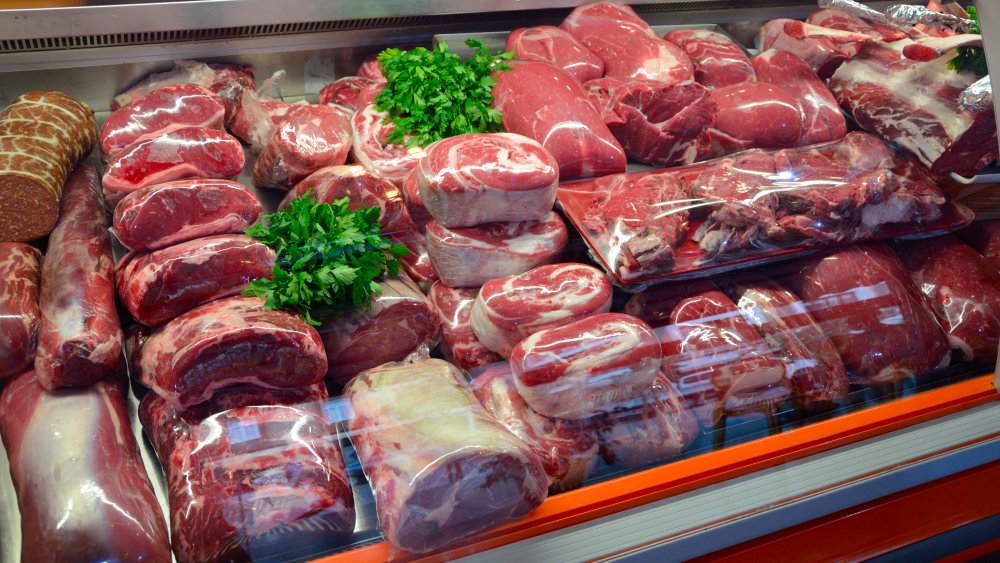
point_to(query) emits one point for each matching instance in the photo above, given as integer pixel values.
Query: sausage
(42, 136)
(20, 276)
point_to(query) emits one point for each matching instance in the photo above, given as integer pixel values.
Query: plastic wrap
(472, 256)
(546, 104)
(410, 191)
(399, 322)
(372, 150)
(461, 472)
(159, 216)
(212, 76)
(459, 342)
(510, 309)
(191, 152)
(345, 91)
(552, 45)
(81, 486)
(161, 111)
(160, 285)
(718, 61)
(978, 97)
(963, 290)
(754, 206)
(864, 300)
(20, 281)
(920, 15)
(586, 367)
(79, 340)
(255, 115)
(307, 139)
(229, 342)
(417, 264)
(480, 178)
(251, 474)
(567, 448)
(755, 115)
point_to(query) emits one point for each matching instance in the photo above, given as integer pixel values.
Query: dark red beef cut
(20, 281)
(754, 115)
(963, 290)
(567, 448)
(345, 91)
(718, 361)
(372, 149)
(307, 139)
(398, 323)
(412, 427)
(984, 236)
(459, 342)
(866, 304)
(718, 61)
(81, 486)
(553, 45)
(251, 473)
(229, 342)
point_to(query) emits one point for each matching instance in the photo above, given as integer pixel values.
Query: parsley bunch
(433, 94)
(327, 255)
(970, 58)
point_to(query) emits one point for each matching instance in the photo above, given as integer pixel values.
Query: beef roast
(553, 45)
(718, 61)
(307, 139)
(373, 151)
(345, 91)
(20, 281)
(755, 115)
(459, 342)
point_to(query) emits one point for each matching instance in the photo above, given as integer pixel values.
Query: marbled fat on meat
(20, 281)
(372, 150)
(459, 342)
(345, 91)
(307, 139)
(718, 61)
(556, 46)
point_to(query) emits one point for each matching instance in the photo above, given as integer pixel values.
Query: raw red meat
(510, 309)
(819, 379)
(642, 218)
(586, 367)
(718, 361)
(656, 123)
(212, 76)
(472, 256)
(165, 214)
(81, 486)
(566, 448)
(20, 278)
(410, 191)
(984, 236)
(627, 44)
(718, 61)
(79, 340)
(345, 91)
(371, 69)
(755, 115)
(548, 105)
(399, 322)
(191, 152)
(480, 178)
(654, 427)
(372, 150)
(963, 290)
(822, 119)
(823, 49)
(458, 340)
(550, 44)
(254, 115)
(307, 139)
(418, 264)
(914, 104)
(412, 428)
(229, 342)
(160, 285)
(251, 475)
(837, 19)
(866, 304)
(161, 111)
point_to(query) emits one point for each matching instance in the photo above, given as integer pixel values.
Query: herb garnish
(970, 58)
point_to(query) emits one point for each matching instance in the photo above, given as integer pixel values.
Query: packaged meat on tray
(753, 207)
(20, 283)
(250, 474)
(412, 427)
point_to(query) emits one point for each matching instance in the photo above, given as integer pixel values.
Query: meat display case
(752, 487)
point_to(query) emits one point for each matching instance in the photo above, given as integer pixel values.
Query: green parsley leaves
(433, 94)
(327, 256)
(972, 59)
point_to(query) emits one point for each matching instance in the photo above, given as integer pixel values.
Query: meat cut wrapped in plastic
(470, 257)
(441, 467)
(417, 264)
(567, 448)
(823, 49)
(250, 474)
(159, 216)
(81, 486)
(410, 190)
(544, 103)
(627, 44)
(984, 236)
(866, 304)
(459, 342)
(160, 285)
(20, 283)
(229, 342)
(191, 152)
(307, 139)
(717, 360)
(163, 110)
(398, 322)
(550, 44)
(213, 76)
(345, 91)
(79, 340)
(963, 289)
(718, 61)
(372, 149)
(256, 116)
(510, 309)
(480, 178)
(653, 427)
(754, 115)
